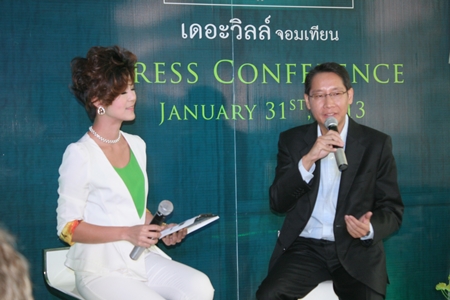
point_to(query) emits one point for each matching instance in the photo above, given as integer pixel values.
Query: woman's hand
(175, 237)
(143, 235)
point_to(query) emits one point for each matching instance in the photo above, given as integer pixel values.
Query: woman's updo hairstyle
(102, 76)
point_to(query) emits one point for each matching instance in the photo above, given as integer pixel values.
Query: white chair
(324, 291)
(58, 277)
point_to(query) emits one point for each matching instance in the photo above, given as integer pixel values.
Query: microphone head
(331, 121)
(165, 207)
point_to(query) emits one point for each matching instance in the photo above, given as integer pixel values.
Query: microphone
(165, 208)
(331, 123)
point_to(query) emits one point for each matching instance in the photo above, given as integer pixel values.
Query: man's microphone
(331, 123)
(165, 208)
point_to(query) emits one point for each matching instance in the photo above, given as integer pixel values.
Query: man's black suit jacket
(368, 184)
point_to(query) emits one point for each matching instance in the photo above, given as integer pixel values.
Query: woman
(14, 275)
(103, 191)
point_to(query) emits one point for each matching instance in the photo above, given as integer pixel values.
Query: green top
(133, 178)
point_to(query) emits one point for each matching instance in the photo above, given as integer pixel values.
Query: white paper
(192, 224)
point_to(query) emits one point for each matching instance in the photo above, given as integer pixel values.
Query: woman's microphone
(165, 208)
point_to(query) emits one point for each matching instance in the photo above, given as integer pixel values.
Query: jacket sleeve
(288, 185)
(73, 187)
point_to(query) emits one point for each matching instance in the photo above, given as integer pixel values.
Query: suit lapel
(140, 155)
(113, 177)
(354, 151)
(309, 139)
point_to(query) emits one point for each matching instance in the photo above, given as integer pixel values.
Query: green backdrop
(217, 82)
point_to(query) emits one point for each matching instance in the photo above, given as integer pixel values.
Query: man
(335, 220)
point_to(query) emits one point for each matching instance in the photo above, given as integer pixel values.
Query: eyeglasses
(333, 95)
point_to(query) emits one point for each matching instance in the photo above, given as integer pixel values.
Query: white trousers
(167, 279)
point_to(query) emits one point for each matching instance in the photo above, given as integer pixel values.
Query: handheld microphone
(341, 160)
(165, 208)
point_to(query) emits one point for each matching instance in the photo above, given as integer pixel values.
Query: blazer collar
(354, 151)
(310, 138)
(116, 181)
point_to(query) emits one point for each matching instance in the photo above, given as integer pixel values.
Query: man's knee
(266, 291)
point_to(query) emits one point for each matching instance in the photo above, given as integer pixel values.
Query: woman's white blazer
(91, 190)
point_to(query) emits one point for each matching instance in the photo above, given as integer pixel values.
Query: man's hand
(358, 228)
(322, 147)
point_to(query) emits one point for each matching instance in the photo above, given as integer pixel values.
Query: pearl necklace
(102, 138)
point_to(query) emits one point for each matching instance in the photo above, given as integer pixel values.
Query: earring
(101, 110)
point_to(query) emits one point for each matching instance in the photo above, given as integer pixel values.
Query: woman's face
(122, 108)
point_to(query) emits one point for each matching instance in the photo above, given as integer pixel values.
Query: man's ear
(308, 106)
(350, 93)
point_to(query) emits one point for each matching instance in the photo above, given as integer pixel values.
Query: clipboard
(191, 224)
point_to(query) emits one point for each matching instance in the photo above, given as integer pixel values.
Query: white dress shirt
(320, 225)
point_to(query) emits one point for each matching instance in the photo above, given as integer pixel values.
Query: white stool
(57, 276)
(324, 291)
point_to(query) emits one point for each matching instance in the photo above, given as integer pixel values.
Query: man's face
(328, 98)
